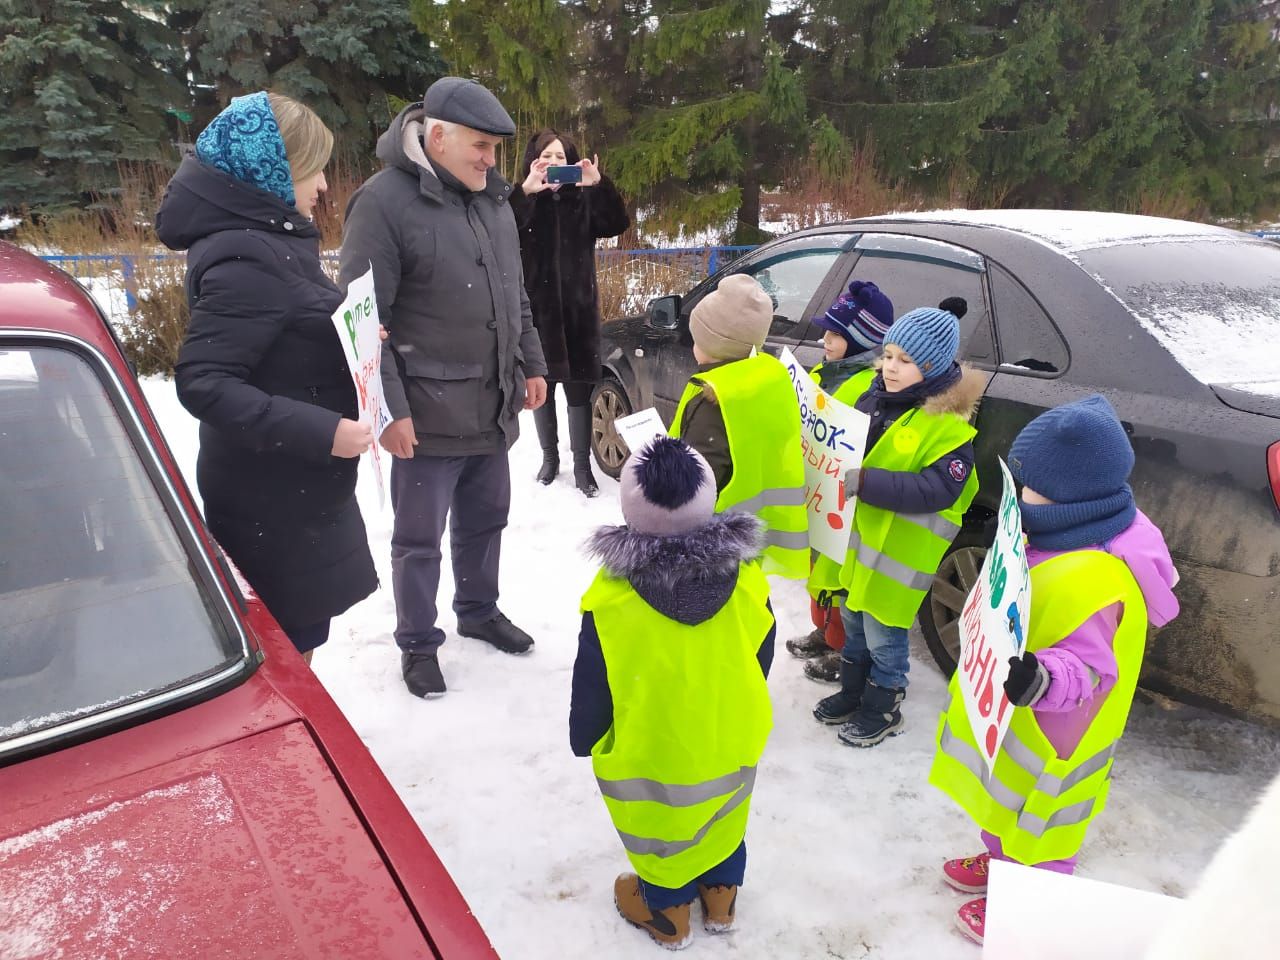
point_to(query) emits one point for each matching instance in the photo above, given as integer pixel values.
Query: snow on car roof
(1072, 230)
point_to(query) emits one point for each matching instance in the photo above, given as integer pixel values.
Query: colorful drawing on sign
(831, 436)
(356, 321)
(993, 627)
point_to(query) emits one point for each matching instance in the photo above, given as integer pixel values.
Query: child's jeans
(887, 646)
(728, 873)
(994, 847)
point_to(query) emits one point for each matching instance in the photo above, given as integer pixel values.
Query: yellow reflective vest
(892, 557)
(691, 715)
(1038, 803)
(762, 421)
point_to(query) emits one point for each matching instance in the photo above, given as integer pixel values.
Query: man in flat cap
(461, 360)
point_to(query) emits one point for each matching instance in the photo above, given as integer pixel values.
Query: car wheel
(608, 403)
(940, 612)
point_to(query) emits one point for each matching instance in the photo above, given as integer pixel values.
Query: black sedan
(1177, 323)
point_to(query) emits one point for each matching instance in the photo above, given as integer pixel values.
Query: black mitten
(1027, 680)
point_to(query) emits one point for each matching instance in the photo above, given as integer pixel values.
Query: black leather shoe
(499, 632)
(422, 674)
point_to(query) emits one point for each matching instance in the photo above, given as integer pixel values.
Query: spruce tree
(85, 84)
(351, 63)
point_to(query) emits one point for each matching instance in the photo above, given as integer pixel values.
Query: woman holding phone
(560, 221)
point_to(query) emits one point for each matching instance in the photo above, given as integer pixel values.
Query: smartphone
(572, 174)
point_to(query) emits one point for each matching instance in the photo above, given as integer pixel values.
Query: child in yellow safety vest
(1100, 572)
(852, 330)
(669, 689)
(915, 483)
(739, 410)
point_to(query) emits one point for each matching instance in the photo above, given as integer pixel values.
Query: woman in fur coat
(559, 226)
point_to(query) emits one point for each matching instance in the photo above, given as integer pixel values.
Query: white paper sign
(637, 429)
(1026, 908)
(833, 436)
(993, 627)
(356, 321)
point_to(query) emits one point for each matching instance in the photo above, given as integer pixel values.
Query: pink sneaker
(972, 919)
(969, 874)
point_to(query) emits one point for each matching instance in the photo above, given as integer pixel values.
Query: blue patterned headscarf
(244, 140)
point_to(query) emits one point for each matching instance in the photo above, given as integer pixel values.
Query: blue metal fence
(682, 263)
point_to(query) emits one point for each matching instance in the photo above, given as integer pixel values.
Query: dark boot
(422, 674)
(544, 420)
(808, 646)
(878, 718)
(844, 704)
(580, 443)
(825, 667)
(499, 632)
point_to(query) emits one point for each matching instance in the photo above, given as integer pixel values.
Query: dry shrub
(1168, 201)
(628, 281)
(810, 197)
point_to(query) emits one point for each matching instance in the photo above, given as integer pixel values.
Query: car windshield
(100, 605)
(1213, 303)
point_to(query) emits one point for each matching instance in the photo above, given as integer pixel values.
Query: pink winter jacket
(1082, 666)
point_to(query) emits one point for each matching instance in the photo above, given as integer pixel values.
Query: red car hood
(211, 855)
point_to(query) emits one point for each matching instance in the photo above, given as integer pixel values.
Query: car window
(99, 603)
(1029, 342)
(919, 272)
(791, 274)
(1214, 303)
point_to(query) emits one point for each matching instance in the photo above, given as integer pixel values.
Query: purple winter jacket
(1082, 666)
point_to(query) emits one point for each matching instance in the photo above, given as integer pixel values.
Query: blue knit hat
(244, 140)
(1078, 451)
(930, 337)
(861, 315)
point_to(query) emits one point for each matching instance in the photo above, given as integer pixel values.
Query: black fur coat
(558, 233)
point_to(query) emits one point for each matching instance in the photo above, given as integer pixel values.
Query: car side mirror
(663, 313)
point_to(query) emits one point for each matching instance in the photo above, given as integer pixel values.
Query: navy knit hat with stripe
(861, 316)
(930, 337)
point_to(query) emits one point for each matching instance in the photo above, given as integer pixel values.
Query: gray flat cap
(469, 103)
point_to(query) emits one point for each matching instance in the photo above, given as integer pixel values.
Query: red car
(174, 781)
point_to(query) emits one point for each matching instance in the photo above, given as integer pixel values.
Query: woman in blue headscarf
(262, 367)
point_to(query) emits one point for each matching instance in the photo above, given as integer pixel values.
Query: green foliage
(85, 84)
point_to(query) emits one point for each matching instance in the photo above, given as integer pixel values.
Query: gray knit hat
(668, 488)
(732, 318)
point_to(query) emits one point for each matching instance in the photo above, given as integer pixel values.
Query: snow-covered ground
(844, 845)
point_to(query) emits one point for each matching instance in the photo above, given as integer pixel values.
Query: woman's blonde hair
(307, 141)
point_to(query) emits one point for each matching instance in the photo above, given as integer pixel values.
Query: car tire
(940, 613)
(608, 403)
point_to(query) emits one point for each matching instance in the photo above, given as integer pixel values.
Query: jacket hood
(1141, 546)
(686, 578)
(202, 200)
(390, 150)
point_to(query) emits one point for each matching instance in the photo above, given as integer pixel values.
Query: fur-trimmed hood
(961, 396)
(689, 577)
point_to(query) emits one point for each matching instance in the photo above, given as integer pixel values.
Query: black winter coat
(263, 371)
(558, 233)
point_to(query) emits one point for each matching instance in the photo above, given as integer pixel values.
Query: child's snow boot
(878, 717)
(825, 667)
(669, 927)
(972, 919)
(968, 874)
(842, 705)
(718, 905)
(810, 645)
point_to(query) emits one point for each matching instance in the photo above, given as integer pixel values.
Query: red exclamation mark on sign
(836, 521)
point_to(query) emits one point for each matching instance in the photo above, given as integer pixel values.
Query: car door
(795, 274)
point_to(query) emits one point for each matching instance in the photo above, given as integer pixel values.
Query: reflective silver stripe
(1066, 817)
(773, 497)
(676, 794)
(1047, 783)
(968, 756)
(787, 539)
(895, 570)
(935, 523)
(647, 846)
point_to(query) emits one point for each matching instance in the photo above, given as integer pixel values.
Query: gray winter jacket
(446, 269)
